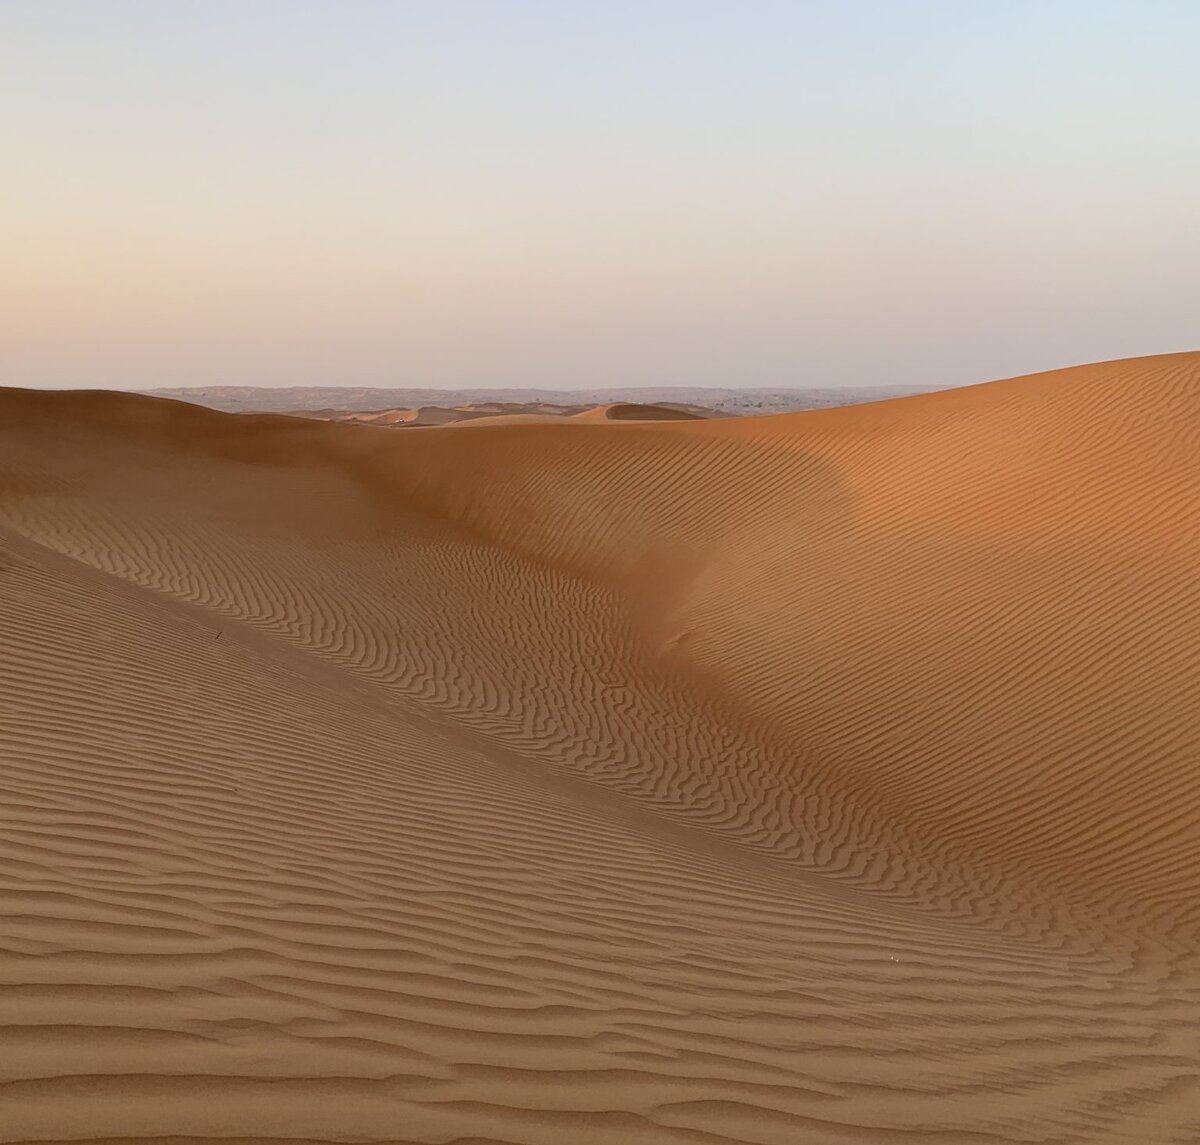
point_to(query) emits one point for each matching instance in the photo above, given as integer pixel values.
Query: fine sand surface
(827, 777)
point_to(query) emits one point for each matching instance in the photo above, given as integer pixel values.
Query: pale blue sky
(526, 192)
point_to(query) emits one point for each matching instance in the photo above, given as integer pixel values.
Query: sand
(822, 777)
(507, 413)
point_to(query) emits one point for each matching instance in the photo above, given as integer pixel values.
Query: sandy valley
(823, 777)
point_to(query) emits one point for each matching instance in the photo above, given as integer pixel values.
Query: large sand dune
(826, 777)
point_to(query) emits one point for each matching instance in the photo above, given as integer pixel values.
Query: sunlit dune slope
(826, 777)
(963, 607)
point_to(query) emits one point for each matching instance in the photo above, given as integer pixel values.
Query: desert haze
(826, 777)
(349, 399)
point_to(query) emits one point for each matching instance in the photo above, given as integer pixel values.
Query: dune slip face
(823, 777)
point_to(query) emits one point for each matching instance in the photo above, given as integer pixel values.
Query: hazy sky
(585, 192)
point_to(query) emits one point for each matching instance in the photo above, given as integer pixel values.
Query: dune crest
(822, 777)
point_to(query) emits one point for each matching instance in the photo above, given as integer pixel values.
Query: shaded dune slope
(822, 777)
(618, 411)
(635, 411)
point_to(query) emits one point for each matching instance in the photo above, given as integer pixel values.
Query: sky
(579, 193)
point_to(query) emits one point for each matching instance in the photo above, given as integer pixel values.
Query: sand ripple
(826, 777)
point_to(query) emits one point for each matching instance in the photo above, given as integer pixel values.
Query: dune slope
(821, 777)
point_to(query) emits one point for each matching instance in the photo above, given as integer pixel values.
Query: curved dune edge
(819, 777)
(495, 419)
(636, 411)
(615, 411)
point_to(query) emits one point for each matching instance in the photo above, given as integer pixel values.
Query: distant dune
(512, 419)
(824, 777)
(617, 411)
(632, 411)
(507, 413)
(749, 400)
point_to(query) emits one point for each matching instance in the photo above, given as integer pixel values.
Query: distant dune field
(337, 400)
(617, 411)
(824, 777)
(508, 413)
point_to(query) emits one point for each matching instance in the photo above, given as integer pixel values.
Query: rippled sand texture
(828, 777)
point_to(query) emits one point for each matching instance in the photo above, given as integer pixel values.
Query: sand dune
(288, 399)
(620, 411)
(508, 413)
(823, 777)
(632, 411)
(511, 419)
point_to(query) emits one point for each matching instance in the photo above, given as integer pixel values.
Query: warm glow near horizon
(640, 192)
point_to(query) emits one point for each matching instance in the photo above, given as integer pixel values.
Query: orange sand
(825, 777)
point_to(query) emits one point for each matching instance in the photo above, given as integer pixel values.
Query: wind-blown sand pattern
(824, 777)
